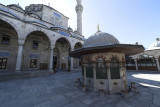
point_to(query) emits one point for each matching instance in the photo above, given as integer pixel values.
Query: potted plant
(76, 83)
(54, 70)
(124, 93)
(101, 92)
(133, 84)
(83, 88)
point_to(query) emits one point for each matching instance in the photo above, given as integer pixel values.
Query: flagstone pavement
(58, 90)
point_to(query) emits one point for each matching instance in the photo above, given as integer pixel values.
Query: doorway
(54, 62)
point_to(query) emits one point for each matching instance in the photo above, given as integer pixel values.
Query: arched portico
(76, 61)
(61, 54)
(8, 44)
(39, 30)
(12, 24)
(36, 53)
(143, 62)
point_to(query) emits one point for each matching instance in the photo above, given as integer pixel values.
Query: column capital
(52, 47)
(135, 59)
(21, 41)
(72, 49)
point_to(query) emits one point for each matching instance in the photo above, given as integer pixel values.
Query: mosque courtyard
(58, 90)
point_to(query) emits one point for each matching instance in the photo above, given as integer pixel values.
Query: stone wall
(109, 84)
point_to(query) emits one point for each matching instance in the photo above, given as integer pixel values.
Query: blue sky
(129, 21)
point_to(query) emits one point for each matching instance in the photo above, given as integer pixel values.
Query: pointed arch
(39, 30)
(12, 24)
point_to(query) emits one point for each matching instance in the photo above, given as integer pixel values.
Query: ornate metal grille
(101, 69)
(83, 70)
(89, 72)
(114, 68)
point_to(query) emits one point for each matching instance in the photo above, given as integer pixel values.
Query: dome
(100, 39)
(76, 32)
(155, 45)
(16, 5)
(70, 29)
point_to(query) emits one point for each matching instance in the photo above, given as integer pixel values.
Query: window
(114, 68)
(35, 44)
(89, 72)
(56, 21)
(101, 69)
(3, 63)
(33, 63)
(5, 39)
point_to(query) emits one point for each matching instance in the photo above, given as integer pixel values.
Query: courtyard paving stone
(58, 90)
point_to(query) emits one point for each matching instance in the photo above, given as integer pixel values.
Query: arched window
(89, 71)
(101, 69)
(114, 68)
(89, 68)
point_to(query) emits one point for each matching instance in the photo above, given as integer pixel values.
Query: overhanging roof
(127, 49)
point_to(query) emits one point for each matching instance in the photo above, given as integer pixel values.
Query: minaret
(79, 10)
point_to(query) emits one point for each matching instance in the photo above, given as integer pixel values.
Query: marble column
(109, 79)
(77, 62)
(135, 60)
(19, 55)
(71, 61)
(125, 78)
(121, 77)
(85, 79)
(157, 62)
(51, 60)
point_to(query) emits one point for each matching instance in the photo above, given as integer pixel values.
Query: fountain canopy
(104, 42)
(103, 62)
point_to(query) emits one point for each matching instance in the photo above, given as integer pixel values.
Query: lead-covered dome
(155, 45)
(100, 39)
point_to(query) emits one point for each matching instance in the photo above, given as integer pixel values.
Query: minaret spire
(79, 10)
(98, 27)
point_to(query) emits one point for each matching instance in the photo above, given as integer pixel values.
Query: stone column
(109, 79)
(121, 77)
(51, 60)
(85, 79)
(19, 55)
(125, 78)
(157, 62)
(135, 60)
(78, 63)
(94, 76)
(72, 61)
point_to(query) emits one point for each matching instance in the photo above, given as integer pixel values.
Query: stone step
(29, 74)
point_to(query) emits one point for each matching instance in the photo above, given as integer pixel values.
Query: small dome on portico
(155, 45)
(70, 29)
